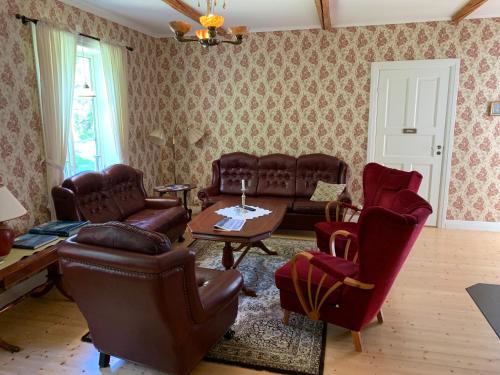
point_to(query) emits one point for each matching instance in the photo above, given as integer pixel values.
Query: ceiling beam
(323, 9)
(467, 9)
(185, 9)
(190, 12)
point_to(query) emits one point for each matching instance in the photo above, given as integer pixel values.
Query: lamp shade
(158, 137)
(10, 208)
(194, 135)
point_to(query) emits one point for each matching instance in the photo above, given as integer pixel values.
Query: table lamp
(10, 208)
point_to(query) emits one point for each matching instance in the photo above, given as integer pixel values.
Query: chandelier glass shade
(213, 29)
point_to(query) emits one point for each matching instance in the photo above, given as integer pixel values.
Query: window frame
(90, 52)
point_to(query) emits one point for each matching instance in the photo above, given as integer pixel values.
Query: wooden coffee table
(251, 235)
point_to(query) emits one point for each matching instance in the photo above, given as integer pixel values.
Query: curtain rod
(25, 20)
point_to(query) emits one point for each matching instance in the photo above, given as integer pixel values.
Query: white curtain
(114, 64)
(55, 55)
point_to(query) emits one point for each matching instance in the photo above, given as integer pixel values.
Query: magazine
(62, 228)
(228, 224)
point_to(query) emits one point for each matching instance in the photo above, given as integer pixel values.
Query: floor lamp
(158, 137)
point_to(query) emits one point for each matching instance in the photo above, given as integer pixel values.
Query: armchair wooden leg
(380, 317)
(104, 360)
(356, 340)
(286, 316)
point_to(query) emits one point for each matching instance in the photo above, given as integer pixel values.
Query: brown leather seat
(144, 302)
(117, 194)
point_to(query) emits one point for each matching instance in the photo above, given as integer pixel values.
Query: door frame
(454, 67)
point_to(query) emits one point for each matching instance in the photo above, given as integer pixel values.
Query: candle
(242, 184)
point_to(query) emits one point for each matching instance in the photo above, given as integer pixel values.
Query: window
(90, 130)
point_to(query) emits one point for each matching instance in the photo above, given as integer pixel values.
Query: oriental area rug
(261, 340)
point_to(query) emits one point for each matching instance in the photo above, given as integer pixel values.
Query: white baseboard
(488, 226)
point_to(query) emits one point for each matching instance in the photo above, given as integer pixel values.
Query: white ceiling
(152, 16)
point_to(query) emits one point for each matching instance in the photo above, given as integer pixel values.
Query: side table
(174, 188)
(19, 266)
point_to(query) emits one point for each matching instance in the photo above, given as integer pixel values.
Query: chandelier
(212, 23)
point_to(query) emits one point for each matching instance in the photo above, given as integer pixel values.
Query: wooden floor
(431, 324)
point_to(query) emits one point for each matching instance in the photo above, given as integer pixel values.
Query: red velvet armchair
(380, 185)
(349, 294)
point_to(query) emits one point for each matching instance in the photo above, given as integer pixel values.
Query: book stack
(48, 233)
(34, 241)
(60, 228)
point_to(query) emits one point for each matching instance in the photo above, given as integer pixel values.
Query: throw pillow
(326, 192)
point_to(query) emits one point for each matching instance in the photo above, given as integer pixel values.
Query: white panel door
(410, 122)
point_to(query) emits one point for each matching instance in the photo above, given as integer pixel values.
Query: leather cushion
(158, 220)
(315, 167)
(283, 276)
(277, 175)
(93, 200)
(235, 167)
(307, 206)
(205, 275)
(121, 236)
(125, 185)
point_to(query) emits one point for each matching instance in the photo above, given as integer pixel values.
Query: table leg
(189, 211)
(227, 256)
(54, 279)
(263, 247)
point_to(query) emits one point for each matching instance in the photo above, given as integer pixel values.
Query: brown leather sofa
(143, 302)
(117, 194)
(282, 177)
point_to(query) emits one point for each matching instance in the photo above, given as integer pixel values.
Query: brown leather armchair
(143, 302)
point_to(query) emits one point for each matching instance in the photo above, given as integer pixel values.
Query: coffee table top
(202, 226)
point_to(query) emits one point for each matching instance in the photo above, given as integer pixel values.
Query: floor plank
(431, 324)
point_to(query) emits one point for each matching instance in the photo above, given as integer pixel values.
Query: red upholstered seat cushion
(324, 231)
(283, 275)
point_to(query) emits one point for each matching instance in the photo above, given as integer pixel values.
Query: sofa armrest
(65, 204)
(162, 203)
(220, 291)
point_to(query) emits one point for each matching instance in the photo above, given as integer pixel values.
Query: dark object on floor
(117, 194)
(152, 306)
(351, 294)
(487, 298)
(281, 177)
(260, 335)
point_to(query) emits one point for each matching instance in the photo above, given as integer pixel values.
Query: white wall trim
(488, 226)
(454, 65)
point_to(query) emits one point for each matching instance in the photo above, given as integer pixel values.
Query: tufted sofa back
(315, 167)
(277, 174)
(112, 195)
(125, 184)
(92, 198)
(235, 167)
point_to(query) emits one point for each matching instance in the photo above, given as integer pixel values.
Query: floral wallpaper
(22, 168)
(308, 91)
(292, 92)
